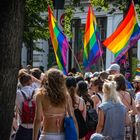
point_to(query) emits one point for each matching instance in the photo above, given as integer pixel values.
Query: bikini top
(50, 115)
(58, 119)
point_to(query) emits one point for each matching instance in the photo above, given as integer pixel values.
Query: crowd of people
(108, 103)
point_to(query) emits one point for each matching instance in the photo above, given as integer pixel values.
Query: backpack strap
(23, 94)
(99, 97)
(79, 102)
(131, 101)
(32, 94)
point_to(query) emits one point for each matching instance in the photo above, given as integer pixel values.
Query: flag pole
(102, 63)
(75, 59)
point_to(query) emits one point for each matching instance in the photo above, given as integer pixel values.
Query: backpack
(81, 122)
(28, 109)
(92, 116)
(92, 119)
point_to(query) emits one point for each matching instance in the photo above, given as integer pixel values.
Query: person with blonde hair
(112, 113)
(52, 103)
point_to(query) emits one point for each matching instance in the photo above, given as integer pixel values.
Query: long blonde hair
(109, 92)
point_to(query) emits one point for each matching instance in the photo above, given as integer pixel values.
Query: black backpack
(83, 129)
(91, 119)
(92, 116)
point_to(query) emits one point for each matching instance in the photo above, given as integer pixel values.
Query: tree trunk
(11, 29)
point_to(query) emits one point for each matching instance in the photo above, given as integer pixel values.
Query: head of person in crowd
(71, 86)
(97, 136)
(41, 68)
(95, 74)
(55, 87)
(22, 71)
(25, 79)
(88, 76)
(82, 91)
(82, 88)
(120, 81)
(29, 67)
(79, 78)
(96, 84)
(103, 75)
(110, 77)
(36, 72)
(110, 92)
(70, 74)
(136, 83)
(73, 70)
(113, 69)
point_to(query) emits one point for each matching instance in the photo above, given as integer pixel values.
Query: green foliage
(135, 62)
(67, 22)
(116, 4)
(35, 21)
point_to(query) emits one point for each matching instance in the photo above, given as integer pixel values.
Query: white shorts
(52, 136)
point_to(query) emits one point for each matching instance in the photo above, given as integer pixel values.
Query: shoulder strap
(32, 94)
(79, 103)
(23, 94)
(99, 97)
(131, 102)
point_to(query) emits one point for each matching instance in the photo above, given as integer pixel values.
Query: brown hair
(55, 86)
(121, 83)
(24, 79)
(97, 82)
(71, 86)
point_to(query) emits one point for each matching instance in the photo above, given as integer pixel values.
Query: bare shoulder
(127, 95)
(94, 97)
(40, 94)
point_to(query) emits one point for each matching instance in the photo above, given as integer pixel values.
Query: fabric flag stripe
(138, 71)
(59, 42)
(92, 49)
(125, 36)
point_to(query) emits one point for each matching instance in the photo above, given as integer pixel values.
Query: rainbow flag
(125, 36)
(137, 72)
(59, 42)
(92, 45)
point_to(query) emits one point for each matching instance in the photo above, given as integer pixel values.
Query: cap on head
(136, 79)
(96, 136)
(114, 67)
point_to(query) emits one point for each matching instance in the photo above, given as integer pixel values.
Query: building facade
(107, 24)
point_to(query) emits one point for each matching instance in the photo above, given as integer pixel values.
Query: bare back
(53, 117)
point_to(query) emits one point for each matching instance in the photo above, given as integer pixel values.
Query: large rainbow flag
(59, 41)
(125, 36)
(92, 45)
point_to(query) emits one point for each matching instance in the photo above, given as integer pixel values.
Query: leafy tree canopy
(35, 20)
(36, 24)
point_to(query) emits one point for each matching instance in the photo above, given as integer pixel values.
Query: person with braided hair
(51, 102)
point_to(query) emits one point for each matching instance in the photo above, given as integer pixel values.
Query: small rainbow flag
(125, 36)
(137, 71)
(59, 41)
(92, 50)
